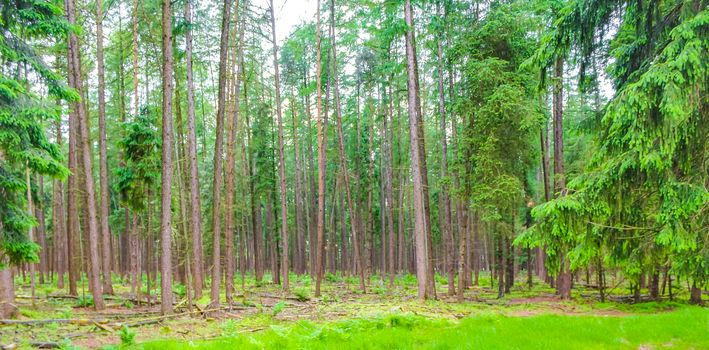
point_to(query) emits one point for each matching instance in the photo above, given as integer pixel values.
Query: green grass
(685, 328)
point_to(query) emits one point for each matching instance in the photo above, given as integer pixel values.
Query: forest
(361, 174)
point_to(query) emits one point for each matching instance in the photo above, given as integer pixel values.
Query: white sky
(289, 14)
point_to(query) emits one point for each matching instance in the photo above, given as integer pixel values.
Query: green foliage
(127, 336)
(642, 201)
(277, 308)
(679, 329)
(24, 145)
(141, 153)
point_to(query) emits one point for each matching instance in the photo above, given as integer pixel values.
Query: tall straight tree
(86, 162)
(233, 122)
(103, 160)
(341, 144)
(321, 156)
(445, 214)
(418, 162)
(218, 154)
(281, 156)
(564, 280)
(197, 260)
(167, 142)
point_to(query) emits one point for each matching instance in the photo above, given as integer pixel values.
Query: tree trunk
(8, 309)
(281, 157)
(103, 160)
(60, 242)
(321, 121)
(166, 183)
(564, 282)
(195, 205)
(218, 155)
(418, 167)
(299, 252)
(83, 128)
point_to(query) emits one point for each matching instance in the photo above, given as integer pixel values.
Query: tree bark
(167, 144)
(103, 159)
(218, 155)
(195, 205)
(341, 144)
(564, 281)
(281, 157)
(321, 120)
(230, 167)
(418, 167)
(83, 128)
(60, 243)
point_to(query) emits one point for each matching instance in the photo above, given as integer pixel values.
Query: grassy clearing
(686, 328)
(384, 317)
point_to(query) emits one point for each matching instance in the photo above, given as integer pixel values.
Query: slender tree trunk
(83, 128)
(218, 155)
(388, 165)
(167, 143)
(60, 242)
(418, 167)
(41, 231)
(230, 167)
(195, 205)
(321, 121)
(103, 160)
(444, 200)
(299, 252)
(281, 157)
(564, 281)
(341, 144)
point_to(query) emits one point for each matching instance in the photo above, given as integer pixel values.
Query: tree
(321, 121)
(166, 176)
(218, 155)
(195, 205)
(281, 156)
(86, 163)
(103, 158)
(24, 147)
(418, 163)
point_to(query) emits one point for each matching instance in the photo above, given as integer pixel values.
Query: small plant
(301, 294)
(278, 308)
(180, 289)
(331, 277)
(127, 336)
(128, 304)
(229, 328)
(66, 312)
(84, 301)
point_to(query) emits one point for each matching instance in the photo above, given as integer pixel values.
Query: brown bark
(299, 252)
(321, 158)
(60, 244)
(445, 201)
(195, 205)
(8, 308)
(564, 280)
(388, 165)
(83, 128)
(418, 164)
(41, 231)
(103, 160)
(281, 157)
(341, 144)
(218, 155)
(167, 144)
(233, 122)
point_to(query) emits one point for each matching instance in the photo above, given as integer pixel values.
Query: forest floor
(263, 316)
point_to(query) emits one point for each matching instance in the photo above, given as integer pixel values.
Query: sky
(289, 14)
